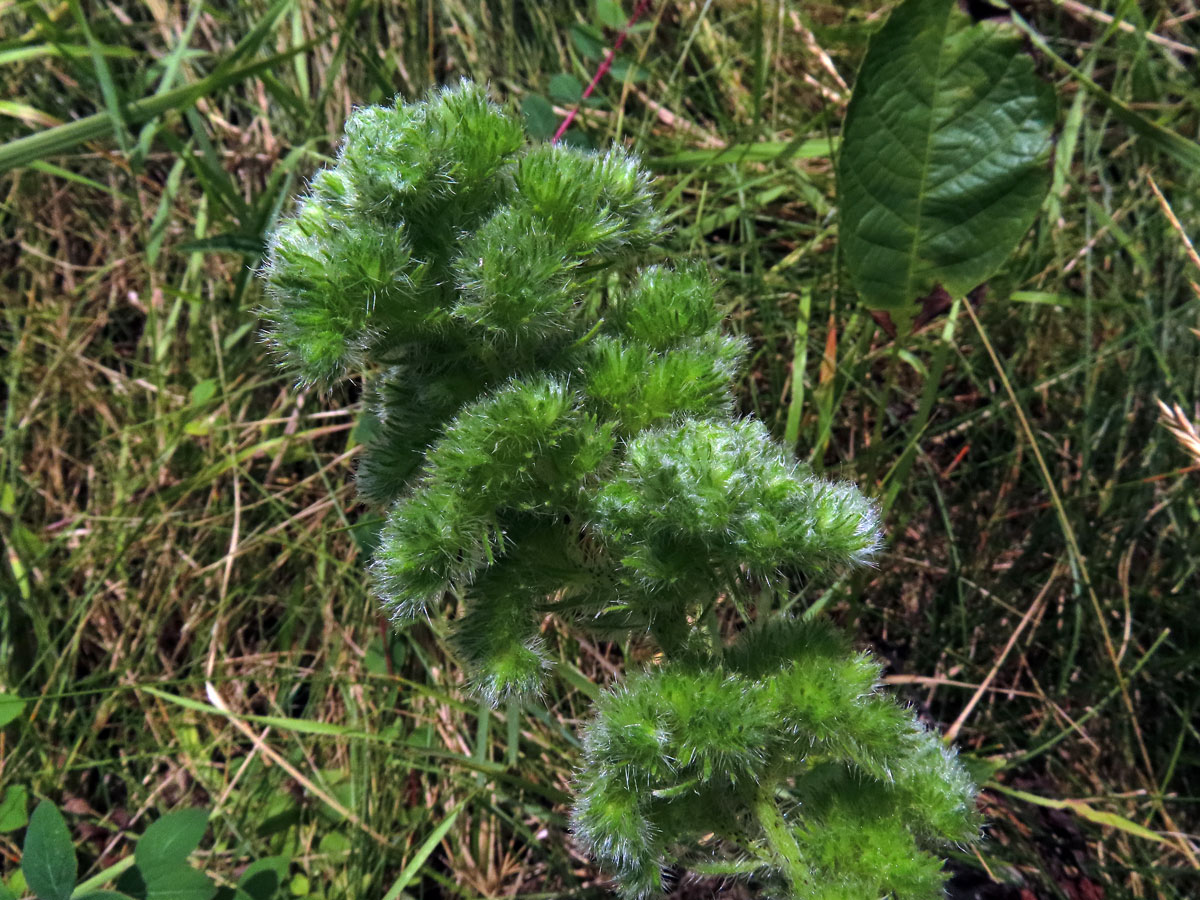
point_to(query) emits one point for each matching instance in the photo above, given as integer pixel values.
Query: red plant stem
(638, 12)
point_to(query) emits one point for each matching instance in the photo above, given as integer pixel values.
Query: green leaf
(104, 895)
(366, 533)
(181, 884)
(108, 89)
(14, 809)
(945, 154)
(565, 89)
(48, 857)
(334, 843)
(203, 391)
(624, 68)
(610, 14)
(577, 140)
(5, 893)
(540, 119)
(588, 41)
(132, 883)
(63, 51)
(262, 879)
(303, 726)
(10, 707)
(167, 843)
(67, 175)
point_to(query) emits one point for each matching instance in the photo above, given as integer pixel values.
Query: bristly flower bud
(552, 429)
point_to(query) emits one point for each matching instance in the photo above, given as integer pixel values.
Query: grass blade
(1081, 809)
(108, 89)
(30, 148)
(1169, 142)
(423, 852)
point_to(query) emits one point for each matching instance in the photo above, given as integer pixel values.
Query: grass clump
(180, 528)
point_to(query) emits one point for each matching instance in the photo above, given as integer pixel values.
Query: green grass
(184, 603)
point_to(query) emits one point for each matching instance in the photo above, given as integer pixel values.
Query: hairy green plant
(552, 430)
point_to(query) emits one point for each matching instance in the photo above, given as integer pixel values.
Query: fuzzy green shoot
(552, 429)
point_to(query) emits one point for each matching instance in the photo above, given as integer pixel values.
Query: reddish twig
(638, 12)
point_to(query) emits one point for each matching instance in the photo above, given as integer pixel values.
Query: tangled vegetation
(186, 624)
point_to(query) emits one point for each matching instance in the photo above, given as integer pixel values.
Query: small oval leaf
(14, 809)
(10, 708)
(48, 857)
(945, 152)
(609, 14)
(203, 391)
(565, 89)
(588, 40)
(540, 118)
(263, 879)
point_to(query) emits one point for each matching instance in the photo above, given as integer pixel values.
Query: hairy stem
(779, 836)
(670, 633)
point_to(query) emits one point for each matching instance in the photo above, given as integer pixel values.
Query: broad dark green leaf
(167, 843)
(132, 883)
(48, 857)
(366, 533)
(945, 154)
(577, 140)
(105, 895)
(183, 883)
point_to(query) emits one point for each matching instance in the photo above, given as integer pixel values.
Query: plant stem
(104, 877)
(779, 836)
(670, 633)
(897, 478)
